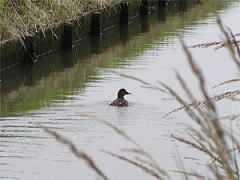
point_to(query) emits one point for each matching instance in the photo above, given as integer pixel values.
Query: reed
(219, 44)
(220, 144)
(226, 82)
(76, 151)
(195, 104)
(150, 166)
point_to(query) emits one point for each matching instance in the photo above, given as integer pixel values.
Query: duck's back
(119, 102)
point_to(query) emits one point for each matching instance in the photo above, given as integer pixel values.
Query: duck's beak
(129, 93)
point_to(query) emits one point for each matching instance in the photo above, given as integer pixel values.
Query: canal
(65, 83)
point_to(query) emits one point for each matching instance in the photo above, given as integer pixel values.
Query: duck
(120, 101)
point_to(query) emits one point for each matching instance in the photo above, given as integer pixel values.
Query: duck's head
(122, 93)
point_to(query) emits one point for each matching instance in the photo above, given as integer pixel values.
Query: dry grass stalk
(231, 117)
(115, 128)
(212, 133)
(201, 147)
(233, 98)
(80, 154)
(218, 44)
(201, 104)
(191, 98)
(227, 44)
(226, 152)
(206, 45)
(191, 174)
(194, 145)
(192, 114)
(133, 150)
(215, 132)
(138, 152)
(199, 119)
(236, 43)
(212, 139)
(198, 73)
(144, 168)
(231, 48)
(184, 86)
(145, 83)
(226, 82)
(122, 133)
(145, 162)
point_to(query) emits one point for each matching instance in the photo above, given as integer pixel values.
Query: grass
(219, 144)
(24, 18)
(80, 154)
(1, 4)
(40, 96)
(218, 44)
(214, 140)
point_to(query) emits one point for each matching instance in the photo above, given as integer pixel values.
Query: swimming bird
(120, 101)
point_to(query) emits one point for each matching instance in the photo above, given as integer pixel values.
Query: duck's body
(120, 101)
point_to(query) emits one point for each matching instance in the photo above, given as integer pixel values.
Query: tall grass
(1, 3)
(19, 18)
(219, 144)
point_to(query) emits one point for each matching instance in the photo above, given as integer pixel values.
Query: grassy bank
(26, 17)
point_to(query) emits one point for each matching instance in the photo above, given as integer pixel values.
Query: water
(78, 82)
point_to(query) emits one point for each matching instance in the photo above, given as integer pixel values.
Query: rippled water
(54, 93)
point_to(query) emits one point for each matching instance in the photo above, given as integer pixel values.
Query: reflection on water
(64, 83)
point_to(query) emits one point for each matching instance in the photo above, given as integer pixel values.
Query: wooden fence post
(29, 50)
(67, 36)
(124, 16)
(96, 24)
(162, 10)
(183, 5)
(144, 8)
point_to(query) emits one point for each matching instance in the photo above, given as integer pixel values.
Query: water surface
(65, 83)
